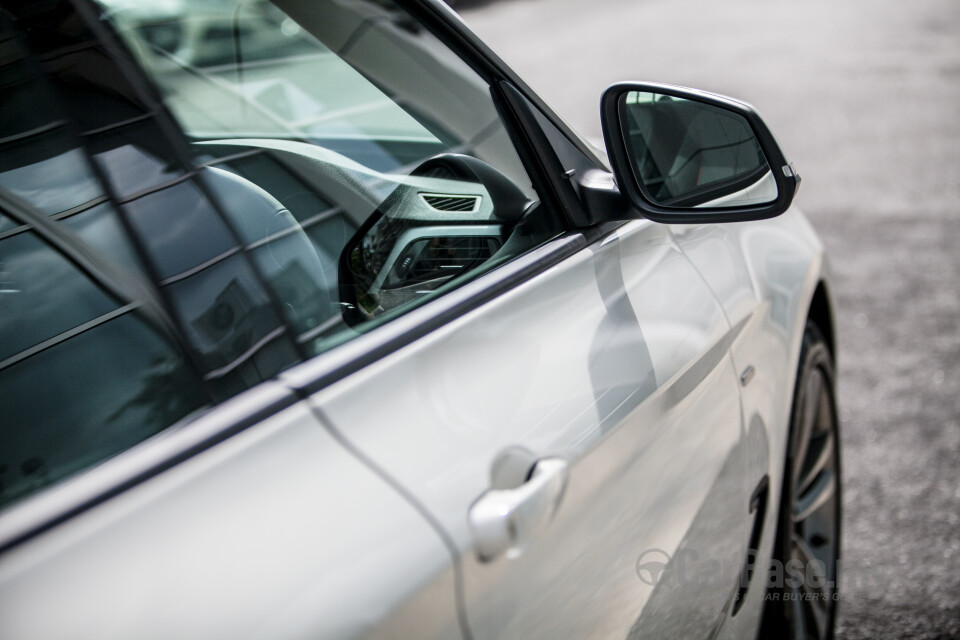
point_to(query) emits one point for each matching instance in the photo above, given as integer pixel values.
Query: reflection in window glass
(54, 184)
(229, 319)
(44, 295)
(6, 224)
(291, 267)
(84, 374)
(332, 117)
(100, 228)
(300, 139)
(86, 399)
(266, 171)
(23, 108)
(246, 68)
(130, 159)
(327, 227)
(179, 228)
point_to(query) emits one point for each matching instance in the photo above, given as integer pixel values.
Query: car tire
(801, 599)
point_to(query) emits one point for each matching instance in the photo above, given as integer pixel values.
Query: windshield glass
(377, 88)
(381, 145)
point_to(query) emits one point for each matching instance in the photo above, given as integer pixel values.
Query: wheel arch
(820, 312)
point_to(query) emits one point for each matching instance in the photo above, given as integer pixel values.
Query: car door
(586, 388)
(614, 363)
(598, 363)
(136, 501)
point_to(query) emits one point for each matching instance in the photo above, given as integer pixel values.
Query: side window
(91, 361)
(84, 375)
(380, 143)
(215, 268)
(196, 196)
(88, 367)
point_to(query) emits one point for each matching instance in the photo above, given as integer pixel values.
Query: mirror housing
(685, 156)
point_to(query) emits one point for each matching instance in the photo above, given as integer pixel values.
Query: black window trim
(449, 28)
(321, 371)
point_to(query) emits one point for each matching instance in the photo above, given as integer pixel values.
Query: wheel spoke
(797, 613)
(816, 496)
(821, 454)
(809, 519)
(812, 595)
(804, 554)
(810, 411)
(813, 591)
(824, 422)
(817, 613)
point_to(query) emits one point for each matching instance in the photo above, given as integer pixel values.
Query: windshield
(248, 69)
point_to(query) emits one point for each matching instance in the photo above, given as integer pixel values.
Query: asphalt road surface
(865, 98)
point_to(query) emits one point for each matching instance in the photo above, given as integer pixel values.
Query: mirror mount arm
(602, 199)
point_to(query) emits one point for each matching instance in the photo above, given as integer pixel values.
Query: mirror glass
(686, 153)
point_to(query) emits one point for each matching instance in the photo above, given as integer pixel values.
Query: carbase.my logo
(650, 565)
(688, 567)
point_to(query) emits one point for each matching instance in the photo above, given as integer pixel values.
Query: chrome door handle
(505, 520)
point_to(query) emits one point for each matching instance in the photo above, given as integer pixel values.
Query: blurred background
(865, 98)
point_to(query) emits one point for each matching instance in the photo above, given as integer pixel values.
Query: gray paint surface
(863, 96)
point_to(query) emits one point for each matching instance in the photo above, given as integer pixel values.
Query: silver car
(315, 322)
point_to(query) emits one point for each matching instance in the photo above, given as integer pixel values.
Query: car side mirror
(685, 156)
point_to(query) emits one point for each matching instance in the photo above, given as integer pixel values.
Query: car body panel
(341, 509)
(767, 271)
(615, 360)
(276, 532)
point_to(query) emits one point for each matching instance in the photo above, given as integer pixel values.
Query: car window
(359, 78)
(88, 363)
(376, 141)
(194, 197)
